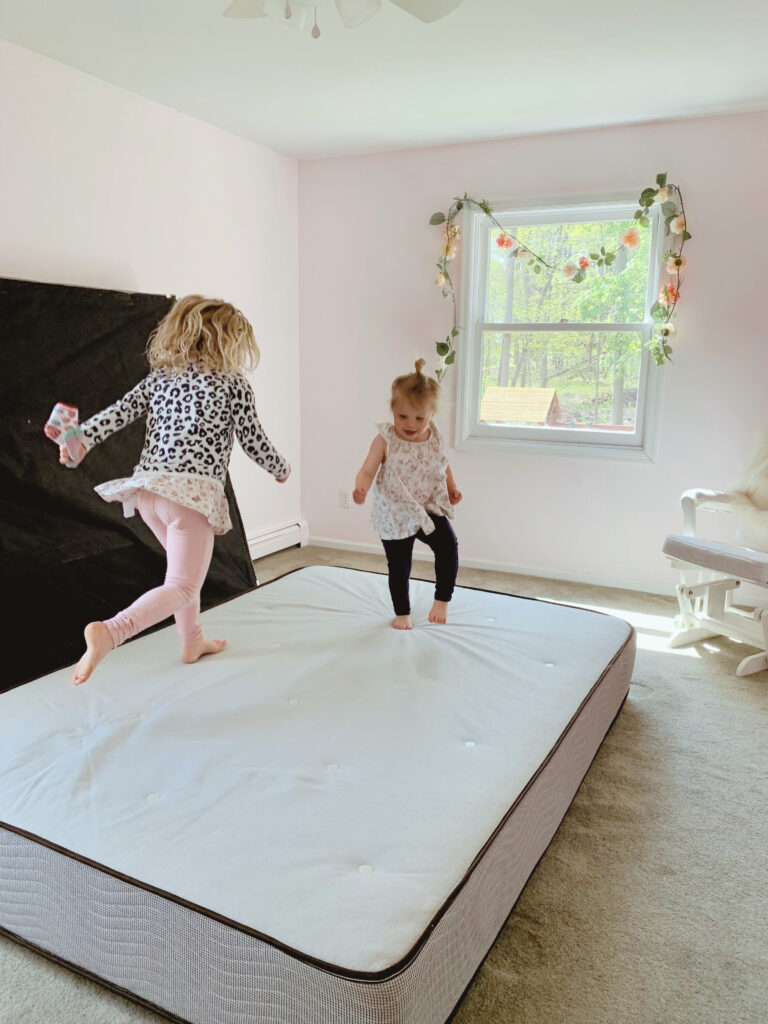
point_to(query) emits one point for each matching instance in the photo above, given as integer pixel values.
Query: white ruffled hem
(201, 493)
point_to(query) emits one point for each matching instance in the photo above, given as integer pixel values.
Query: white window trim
(470, 434)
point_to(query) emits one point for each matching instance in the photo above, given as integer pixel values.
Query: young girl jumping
(196, 400)
(413, 494)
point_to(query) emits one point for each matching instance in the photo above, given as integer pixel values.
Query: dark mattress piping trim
(364, 976)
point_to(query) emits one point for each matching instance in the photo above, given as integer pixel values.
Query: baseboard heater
(261, 544)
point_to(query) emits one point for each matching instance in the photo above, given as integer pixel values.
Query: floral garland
(667, 195)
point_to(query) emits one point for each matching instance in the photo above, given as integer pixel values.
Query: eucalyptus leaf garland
(670, 200)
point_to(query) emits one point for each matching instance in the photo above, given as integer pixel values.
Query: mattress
(328, 823)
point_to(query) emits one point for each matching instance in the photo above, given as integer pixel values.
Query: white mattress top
(327, 780)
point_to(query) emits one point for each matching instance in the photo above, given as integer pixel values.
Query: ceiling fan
(297, 13)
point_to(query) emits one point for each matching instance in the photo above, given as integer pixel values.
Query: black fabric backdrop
(68, 557)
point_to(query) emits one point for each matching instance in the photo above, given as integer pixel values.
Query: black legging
(399, 554)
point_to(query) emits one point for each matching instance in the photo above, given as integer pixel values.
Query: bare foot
(402, 622)
(98, 643)
(195, 651)
(439, 612)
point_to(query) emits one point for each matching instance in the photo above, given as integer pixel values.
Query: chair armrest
(716, 501)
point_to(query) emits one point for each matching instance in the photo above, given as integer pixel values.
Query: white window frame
(470, 432)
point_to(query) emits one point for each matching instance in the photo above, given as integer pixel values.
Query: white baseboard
(422, 555)
(261, 544)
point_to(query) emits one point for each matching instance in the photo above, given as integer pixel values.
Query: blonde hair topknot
(416, 387)
(210, 333)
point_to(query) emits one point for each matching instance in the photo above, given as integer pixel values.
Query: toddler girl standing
(413, 494)
(196, 400)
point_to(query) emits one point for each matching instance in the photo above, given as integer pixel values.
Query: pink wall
(102, 188)
(369, 307)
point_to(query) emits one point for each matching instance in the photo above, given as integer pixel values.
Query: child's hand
(455, 495)
(358, 495)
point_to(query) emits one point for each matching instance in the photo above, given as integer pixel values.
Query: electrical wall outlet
(343, 499)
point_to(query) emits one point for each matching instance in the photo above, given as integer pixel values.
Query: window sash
(469, 430)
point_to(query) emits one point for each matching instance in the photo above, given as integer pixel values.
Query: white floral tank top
(410, 484)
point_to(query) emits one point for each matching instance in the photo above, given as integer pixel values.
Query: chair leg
(756, 662)
(690, 635)
(690, 631)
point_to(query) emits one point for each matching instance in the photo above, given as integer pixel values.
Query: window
(548, 364)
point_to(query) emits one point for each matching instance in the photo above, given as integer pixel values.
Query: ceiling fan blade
(355, 12)
(428, 10)
(245, 9)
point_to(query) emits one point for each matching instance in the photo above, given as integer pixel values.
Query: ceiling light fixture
(297, 13)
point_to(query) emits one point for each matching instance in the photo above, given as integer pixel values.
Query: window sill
(561, 449)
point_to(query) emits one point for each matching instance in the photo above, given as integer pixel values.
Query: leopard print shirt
(193, 417)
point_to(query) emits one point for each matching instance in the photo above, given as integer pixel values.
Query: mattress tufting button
(365, 869)
(151, 797)
(491, 620)
(293, 700)
(332, 767)
(469, 743)
(549, 664)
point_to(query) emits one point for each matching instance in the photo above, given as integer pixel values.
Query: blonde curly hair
(208, 332)
(416, 387)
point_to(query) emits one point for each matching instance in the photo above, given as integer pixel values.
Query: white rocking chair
(706, 603)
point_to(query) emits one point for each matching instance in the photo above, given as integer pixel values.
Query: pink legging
(187, 537)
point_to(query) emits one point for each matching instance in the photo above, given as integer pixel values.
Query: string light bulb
(315, 27)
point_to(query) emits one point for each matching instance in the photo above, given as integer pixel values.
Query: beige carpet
(650, 904)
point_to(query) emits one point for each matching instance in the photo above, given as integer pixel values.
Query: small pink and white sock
(63, 428)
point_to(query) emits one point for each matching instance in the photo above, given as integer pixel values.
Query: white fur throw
(748, 497)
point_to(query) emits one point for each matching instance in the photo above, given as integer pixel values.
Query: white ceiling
(491, 69)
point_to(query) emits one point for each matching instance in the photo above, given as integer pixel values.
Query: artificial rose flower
(662, 195)
(523, 254)
(631, 238)
(677, 225)
(583, 262)
(676, 264)
(505, 241)
(440, 280)
(668, 294)
(667, 330)
(570, 270)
